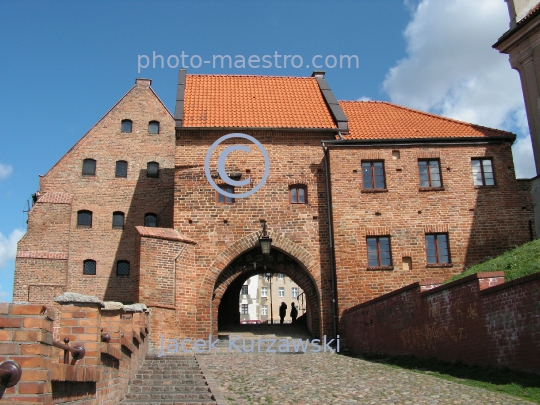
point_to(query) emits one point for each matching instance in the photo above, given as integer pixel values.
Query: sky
(64, 64)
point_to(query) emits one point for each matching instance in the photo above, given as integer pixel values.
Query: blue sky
(64, 64)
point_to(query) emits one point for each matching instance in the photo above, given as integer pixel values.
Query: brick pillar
(26, 338)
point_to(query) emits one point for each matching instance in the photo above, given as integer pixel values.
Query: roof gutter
(418, 141)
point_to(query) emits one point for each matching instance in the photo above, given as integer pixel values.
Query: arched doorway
(252, 262)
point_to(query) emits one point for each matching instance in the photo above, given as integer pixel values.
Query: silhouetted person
(282, 312)
(294, 312)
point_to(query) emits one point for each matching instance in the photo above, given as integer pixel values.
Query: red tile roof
(163, 233)
(55, 198)
(382, 120)
(242, 101)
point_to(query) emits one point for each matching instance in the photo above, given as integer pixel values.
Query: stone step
(169, 388)
(181, 396)
(167, 402)
(177, 381)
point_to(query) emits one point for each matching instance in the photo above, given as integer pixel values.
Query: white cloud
(364, 98)
(8, 246)
(5, 171)
(452, 70)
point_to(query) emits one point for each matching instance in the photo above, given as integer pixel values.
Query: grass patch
(518, 262)
(515, 383)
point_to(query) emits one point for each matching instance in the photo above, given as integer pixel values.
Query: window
(280, 276)
(298, 194)
(122, 268)
(89, 267)
(152, 170)
(294, 292)
(373, 175)
(150, 220)
(264, 310)
(430, 173)
(379, 251)
(264, 292)
(223, 199)
(281, 292)
(482, 171)
(245, 309)
(437, 248)
(89, 167)
(84, 218)
(121, 168)
(244, 289)
(126, 125)
(118, 220)
(153, 127)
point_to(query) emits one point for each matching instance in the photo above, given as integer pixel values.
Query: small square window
(430, 173)
(482, 170)
(298, 194)
(153, 127)
(127, 126)
(152, 170)
(89, 167)
(121, 168)
(150, 220)
(84, 219)
(373, 175)
(280, 276)
(379, 251)
(244, 289)
(89, 267)
(245, 309)
(264, 292)
(122, 268)
(225, 199)
(281, 292)
(118, 220)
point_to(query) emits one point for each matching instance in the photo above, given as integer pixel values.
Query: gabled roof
(228, 101)
(382, 120)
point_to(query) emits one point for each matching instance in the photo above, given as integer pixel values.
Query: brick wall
(481, 222)
(102, 376)
(479, 320)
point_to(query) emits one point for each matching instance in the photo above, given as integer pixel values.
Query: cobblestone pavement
(323, 378)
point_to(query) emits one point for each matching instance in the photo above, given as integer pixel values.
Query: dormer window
(153, 127)
(127, 126)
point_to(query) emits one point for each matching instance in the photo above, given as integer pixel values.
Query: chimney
(143, 82)
(318, 73)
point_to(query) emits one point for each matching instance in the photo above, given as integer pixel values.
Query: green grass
(515, 383)
(515, 263)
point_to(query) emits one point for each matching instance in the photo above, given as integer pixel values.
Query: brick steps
(174, 380)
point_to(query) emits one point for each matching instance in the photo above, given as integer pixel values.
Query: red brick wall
(52, 227)
(481, 222)
(479, 320)
(102, 376)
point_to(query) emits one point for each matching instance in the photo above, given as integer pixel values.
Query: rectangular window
(482, 171)
(379, 251)
(430, 173)
(264, 292)
(245, 309)
(281, 292)
(437, 248)
(294, 292)
(264, 310)
(280, 276)
(373, 175)
(244, 290)
(225, 199)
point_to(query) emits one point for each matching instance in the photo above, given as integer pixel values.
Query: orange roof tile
(382, 120)
(254, 102)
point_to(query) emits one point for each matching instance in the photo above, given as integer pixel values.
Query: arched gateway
(218, 296)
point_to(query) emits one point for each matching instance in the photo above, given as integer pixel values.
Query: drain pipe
(331, 239)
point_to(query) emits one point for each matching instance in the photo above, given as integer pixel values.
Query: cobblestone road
(318, 378)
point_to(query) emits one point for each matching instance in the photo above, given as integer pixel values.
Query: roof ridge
(429, 115)
(246, 75)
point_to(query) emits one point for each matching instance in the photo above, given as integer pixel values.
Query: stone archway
(220, 274)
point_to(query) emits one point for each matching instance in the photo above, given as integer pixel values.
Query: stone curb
(214, 386)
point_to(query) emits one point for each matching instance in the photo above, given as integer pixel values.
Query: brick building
(361, 198)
